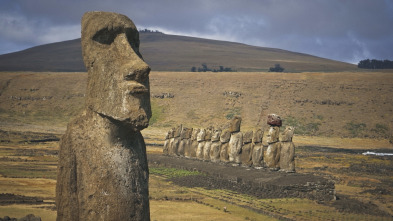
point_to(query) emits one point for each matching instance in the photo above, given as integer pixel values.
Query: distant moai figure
(194, 142)
(177, 139)
(201, 143)
(236, 140)
(257, 152)
(215, 147)
(224, 140)
(187, 145)
(287, 154)
(208, 143)
(102, 170)
(246, 154)
(184, 141)
(168, 136)
(171, 141)
(272, 157)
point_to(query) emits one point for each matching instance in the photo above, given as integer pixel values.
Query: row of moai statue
(233, 146)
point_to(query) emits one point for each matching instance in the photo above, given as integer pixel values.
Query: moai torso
(216, 146)
(247, 149)
(194, 142)
(257, 152)
(177, 139)
(171, 142)
(201, 143)
(287, 154)
(187, 147)
(184, 140)
(273, 150)
(224, 140)
(102, 170)
(165, 149)
(236, 140)
(208, 143)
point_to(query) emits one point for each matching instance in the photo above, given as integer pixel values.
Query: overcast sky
(344, 30)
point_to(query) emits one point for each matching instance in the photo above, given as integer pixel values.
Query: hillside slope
(174, 53)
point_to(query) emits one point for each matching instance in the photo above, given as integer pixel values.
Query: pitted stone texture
(272, 157)
(102, 170)
(257, 136)
(287, 154)
(224, 140)
(247, 148)
(257, 152)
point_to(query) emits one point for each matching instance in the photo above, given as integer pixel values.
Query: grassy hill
(318, 104)
(174, 53)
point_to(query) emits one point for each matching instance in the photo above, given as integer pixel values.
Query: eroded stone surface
(102, 170)
(246, 152)
(287, 152)
(215, 148)
(257, 152)
(272, 156)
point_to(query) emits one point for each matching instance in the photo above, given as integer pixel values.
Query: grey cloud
(342, 30)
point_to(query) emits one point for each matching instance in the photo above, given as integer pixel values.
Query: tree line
(204, 68)
(375, 64)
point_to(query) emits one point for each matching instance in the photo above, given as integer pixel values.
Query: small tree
(193, 69)
(276, 68)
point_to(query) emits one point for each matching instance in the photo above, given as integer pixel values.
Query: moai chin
(102, 170)
(208, 143)
(273, 150)
(257, 152)
(201, 143)
(215, 148)
(247, 149)
(287, 154)
(236, 140)
(224, 140)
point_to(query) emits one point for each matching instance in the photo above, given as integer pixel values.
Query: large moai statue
(184, 142)
(168, 136)
(257, 152)
(102, 171)
(247, 148)
(171, 141)
(224, 140)
(215, 147)
(273, 150)
(201, 144)
(236, 140)
(208, 143)
(177, 139)
(287, 154)
(194, 142)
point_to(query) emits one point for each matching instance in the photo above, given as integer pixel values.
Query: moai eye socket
(105, 36)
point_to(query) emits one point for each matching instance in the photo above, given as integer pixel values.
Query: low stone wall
(262, 183)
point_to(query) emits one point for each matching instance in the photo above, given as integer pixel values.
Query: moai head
(201, 135)
(225, 136)
(257, 136)
(235, 124)
(273, 135)
(287, 134)
(118, 78)
(195, 132)
(168, 134)
(209, 132)
(178, 131)
(216, 135)
(247, 137)
(185, 133)
(172, 132)
(189, 133)
(274, 120)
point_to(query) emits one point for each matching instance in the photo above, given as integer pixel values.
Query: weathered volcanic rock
(102, 170)
(247, 148)
(224, 140)
(287, 152)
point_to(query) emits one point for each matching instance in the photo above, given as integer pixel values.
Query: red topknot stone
(274, 120)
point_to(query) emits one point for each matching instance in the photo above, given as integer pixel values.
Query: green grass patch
(157, 112)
